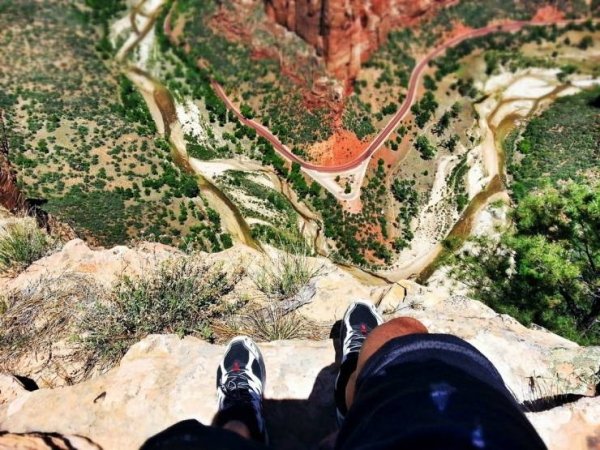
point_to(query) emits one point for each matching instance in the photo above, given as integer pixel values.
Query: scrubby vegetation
(79, 133)
(278, 221)
(271, 323)
(544, 270)
(181, 296)
(21, 243)
(271, 98)
(561, 143)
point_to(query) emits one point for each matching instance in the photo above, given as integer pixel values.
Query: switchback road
(386, 131)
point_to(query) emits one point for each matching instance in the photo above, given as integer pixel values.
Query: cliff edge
(165, 378)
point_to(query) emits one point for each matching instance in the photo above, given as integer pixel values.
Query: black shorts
(425, 391)
(433, 391)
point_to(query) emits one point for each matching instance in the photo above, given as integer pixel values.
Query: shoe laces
(236, 386)
(357, 338)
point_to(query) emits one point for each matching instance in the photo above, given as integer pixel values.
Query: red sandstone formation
(346, 32)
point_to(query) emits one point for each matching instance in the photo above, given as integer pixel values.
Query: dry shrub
(271, 322)
(284, 275)
(181, 296)
(43, 313)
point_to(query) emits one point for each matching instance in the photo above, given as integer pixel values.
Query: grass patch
(37, 317)
(286, 274)
(269, 323)
(21, 244)
(181, 296)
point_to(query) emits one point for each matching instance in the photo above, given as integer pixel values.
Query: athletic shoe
(360, 319)
(241, 378)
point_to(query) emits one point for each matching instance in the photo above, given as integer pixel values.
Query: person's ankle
(238, 427)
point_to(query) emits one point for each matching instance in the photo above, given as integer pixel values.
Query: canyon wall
(346, 32)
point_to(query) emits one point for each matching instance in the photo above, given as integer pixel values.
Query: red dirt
(342, 147)
(391, 157)
(548, 13)
(458, 29)
(352, 206)
(373, 231)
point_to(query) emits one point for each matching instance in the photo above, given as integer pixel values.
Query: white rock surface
(164, 379)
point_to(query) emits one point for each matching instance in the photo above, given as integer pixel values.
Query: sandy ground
(531, 87)
(213, 168)
(143, 23)
(517, 92)
(119, 27)
(438, 189)
(145, 48)
(354, 177)
(188, 115)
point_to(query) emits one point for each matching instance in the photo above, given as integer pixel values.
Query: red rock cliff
(346, 32)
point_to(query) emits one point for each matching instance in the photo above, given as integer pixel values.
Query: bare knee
(401, 326)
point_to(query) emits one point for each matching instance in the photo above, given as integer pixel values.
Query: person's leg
(401, 387)
(362, 334)
(239, 423)
(241, 378)
(401, 326)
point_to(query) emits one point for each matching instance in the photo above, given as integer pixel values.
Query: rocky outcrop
(346, 32)
(164, 379)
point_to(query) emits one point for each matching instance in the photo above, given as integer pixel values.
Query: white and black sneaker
(241, 378)
(360, 319)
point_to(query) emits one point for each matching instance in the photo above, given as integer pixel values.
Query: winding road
(386, 131)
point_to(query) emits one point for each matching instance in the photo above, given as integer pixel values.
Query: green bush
(181, 296)
(22, 243)
(545, 271)
(285, 275)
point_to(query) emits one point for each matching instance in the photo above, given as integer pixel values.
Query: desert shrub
(271, 322)
(284, 275)
(37, 317)
(22, 243)
(181, 296)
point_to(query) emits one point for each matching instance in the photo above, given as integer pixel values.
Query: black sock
(244, 413)
(346, 369)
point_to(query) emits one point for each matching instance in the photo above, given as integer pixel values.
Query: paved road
(385, 133)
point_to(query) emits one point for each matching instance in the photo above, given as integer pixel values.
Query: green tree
(425, 148)
(547, 270)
